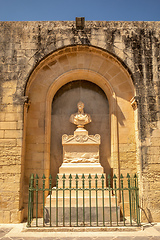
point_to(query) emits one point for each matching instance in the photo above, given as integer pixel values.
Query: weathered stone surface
(135, 44)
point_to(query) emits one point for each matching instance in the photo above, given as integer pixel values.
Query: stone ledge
(81, 229)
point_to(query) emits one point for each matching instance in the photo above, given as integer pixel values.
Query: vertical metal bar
(32, 195)
(134, 192)
(110, 209)
(29, 204)
(77, 198)
(134, 201)
(64, 179)
(70, 185)
(137, 200)
(129, 191)
(121, 179)
(83, 189)
(132, 198)
(90, 213)
(57, 178)
(115, 190)
(36, 199)
(50, 194)
(96, 177)
(102, 178)
(134, 205)
(43, 177)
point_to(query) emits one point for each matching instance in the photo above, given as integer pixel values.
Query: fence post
(76, 178)
(30, 207)
(96, 179)
(50, 195)
(89, 179)
(83, 189)
(110, 210)
(129, 191)
(102, 178)
(121, 180)
(36, 199)
(70, 185)
(43, 178)
(115, 189)
(137, 199)
(57, 178)
(133, 198)
(64, 179)
(32, 194)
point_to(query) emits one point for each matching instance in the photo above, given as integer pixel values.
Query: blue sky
(62, 10)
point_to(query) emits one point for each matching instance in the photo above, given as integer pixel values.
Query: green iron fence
(80, 200)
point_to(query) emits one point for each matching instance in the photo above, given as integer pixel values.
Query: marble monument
(81, 151)
(80, 157)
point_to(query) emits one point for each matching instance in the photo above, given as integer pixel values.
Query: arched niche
(73, 64)
(64, 104)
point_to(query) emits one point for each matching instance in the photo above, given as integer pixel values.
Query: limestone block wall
(135, 44)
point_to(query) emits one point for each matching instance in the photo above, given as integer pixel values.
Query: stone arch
(85, 57)
(70, 64)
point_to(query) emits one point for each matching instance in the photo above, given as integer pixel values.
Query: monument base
(80, 204)
(83, 216)
(80, 168)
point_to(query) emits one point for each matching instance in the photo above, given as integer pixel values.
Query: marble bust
(80, 147)
(80, 118)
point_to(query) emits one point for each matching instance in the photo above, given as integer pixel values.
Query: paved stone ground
(18, 232)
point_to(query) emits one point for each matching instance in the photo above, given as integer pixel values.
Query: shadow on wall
(147, 214)
(119, 114)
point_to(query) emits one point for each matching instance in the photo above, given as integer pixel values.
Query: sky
(68, 10)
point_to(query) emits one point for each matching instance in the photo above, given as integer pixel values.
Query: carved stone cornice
(81, 139)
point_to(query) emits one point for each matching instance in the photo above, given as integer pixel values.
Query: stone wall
(24, 44)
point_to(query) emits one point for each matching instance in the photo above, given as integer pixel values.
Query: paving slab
(4, 231)
(157, 228)
(155, 238)
(20, 232)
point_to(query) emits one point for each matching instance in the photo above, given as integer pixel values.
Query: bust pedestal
(81, 156)
(81, 153)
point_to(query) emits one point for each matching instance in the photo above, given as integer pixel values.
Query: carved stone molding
(81, 138)
(81, 160)
(134, 103)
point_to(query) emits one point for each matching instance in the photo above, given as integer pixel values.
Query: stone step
(81, 168)
(82, 215)
(80, 199)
